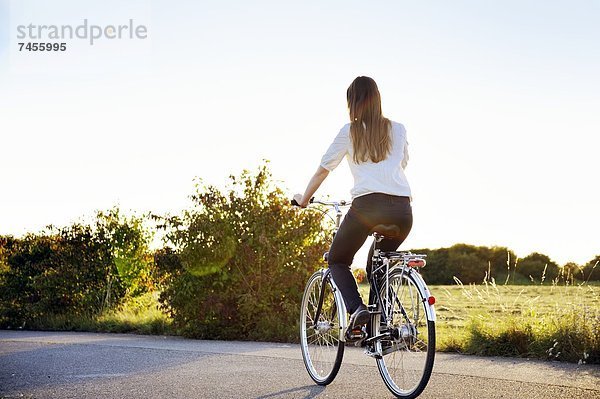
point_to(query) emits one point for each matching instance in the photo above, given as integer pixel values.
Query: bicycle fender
(429, 307)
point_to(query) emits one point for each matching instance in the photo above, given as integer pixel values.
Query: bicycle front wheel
(408, 347)
(322, 349)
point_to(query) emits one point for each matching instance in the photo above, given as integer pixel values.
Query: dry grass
(553, 322)
(139, 315)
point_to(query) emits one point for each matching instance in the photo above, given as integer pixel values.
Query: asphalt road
(90, 365)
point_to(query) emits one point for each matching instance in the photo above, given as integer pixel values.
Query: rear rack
(408, 258)
(401, 255)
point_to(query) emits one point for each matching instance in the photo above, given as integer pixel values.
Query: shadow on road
(33, 365)
(312, 391)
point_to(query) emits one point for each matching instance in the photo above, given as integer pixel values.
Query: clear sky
(500, 101)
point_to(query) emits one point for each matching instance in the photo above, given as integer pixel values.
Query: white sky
(500, 101)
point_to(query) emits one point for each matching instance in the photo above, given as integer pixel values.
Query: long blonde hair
(370, 131)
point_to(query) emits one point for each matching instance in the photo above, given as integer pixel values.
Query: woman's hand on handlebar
(298, 199)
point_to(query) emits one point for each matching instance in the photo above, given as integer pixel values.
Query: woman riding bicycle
(376, 150)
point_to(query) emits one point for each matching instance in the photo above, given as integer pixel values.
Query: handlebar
(295, 203)
(334, 204)
(331, 203)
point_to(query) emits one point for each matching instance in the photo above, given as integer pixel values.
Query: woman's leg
(347, 241)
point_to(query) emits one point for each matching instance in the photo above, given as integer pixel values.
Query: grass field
(560, 322)
(550, 321)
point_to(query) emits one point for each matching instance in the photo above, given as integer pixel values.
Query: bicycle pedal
(356, 334)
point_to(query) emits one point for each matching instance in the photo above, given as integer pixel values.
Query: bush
(129, 241)
(237, 262)
(62, 272)
(79, 270)
(360, 275)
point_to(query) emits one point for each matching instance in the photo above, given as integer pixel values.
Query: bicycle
(401, 331)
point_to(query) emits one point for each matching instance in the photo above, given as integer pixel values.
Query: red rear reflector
(416, 263)
(431, 300)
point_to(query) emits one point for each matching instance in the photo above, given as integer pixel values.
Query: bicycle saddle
(386, 230)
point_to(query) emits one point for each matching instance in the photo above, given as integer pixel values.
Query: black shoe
(359, 317)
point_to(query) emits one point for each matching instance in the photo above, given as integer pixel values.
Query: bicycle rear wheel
(407, 354)
(322, 349)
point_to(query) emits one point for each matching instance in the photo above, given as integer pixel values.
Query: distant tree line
(232, 266)
(474, 264)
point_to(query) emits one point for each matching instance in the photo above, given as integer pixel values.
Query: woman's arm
(313, 185)
(332, 158)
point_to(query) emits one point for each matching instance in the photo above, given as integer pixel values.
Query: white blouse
(385, 177)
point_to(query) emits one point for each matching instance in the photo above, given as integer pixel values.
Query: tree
(570, 272)
(468, 263)
(591, 271)
(501, 260)
(468, 266)
(538, 267)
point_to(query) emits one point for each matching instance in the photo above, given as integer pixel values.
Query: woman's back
(386, 176)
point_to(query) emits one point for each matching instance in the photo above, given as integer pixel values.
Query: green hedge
(243, 257)
(79, 270)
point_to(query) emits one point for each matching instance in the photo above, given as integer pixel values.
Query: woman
(376, 150)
